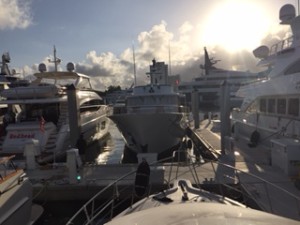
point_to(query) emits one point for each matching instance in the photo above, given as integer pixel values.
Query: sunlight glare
(235, 25)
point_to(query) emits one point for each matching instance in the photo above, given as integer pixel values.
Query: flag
(42, 124)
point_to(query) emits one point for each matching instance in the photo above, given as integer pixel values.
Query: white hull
(16, 196)
(94, 127)
(150, 133)
(15, 204)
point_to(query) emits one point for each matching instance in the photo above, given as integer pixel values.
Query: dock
(277, 194)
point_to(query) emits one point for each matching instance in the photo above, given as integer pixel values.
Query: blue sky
(97, 35)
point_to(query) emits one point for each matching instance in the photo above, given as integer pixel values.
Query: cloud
(15, 14)
(186, 57)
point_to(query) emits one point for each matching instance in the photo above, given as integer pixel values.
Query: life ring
(254, 138)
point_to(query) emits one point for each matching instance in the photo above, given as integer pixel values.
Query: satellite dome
(287, 13)
(42, 67)
(70, 67)
(261, 52)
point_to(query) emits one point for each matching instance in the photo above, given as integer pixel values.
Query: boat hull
(150, 133)
(16, 200)
(48, 140)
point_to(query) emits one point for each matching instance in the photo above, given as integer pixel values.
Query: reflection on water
(112, 152)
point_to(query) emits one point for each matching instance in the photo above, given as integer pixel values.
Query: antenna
(170, 68)
(56, 60)
(134, 69)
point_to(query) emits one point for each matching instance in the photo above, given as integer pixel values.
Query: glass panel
(281, 106)
(293, 106)
(263, 105)
(271, 105)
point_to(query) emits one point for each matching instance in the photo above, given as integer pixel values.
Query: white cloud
(15, 14)
(186, 56)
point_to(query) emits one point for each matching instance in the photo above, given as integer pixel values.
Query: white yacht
(208, 84)
(180, 200)
(16, 205)
(153, 118)
(185, 204)
(46, 115)
(269, 114)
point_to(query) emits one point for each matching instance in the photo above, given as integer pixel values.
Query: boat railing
(149, 109)
(282, 45)
(7, 167)
(94, 212)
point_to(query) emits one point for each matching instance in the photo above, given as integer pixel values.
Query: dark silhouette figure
(142, 178)
(81, 145)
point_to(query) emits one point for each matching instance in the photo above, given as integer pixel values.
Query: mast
(170, 71)
(134, 69)
(56, 60)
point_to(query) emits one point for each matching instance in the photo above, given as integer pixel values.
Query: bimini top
(49, 85)
(63, 78)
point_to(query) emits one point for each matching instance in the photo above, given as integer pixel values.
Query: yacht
(269, 115)
(185, 204)
(153, 117)
(209, 83)
(180, 200)
(54, 112)
(16, 205)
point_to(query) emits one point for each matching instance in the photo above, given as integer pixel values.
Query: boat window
(91, 106)
(84, 83)
(50, 112)
(263, 105)
(61, 82)
(271, 105)
(293, 106)
(294, 68)
(252, 107)
(281, 106)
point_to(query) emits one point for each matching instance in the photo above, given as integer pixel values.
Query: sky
(99, 36)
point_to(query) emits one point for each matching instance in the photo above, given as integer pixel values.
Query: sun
(235, 25)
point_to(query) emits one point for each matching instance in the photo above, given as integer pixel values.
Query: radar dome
(42, 67)
(70, 67)
(261, 52)
(287, 13)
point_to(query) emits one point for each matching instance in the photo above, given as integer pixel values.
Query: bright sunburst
(235, 25)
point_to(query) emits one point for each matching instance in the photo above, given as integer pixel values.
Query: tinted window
(271, 105)
(281, 106)
(263, 105)
(293, 106)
